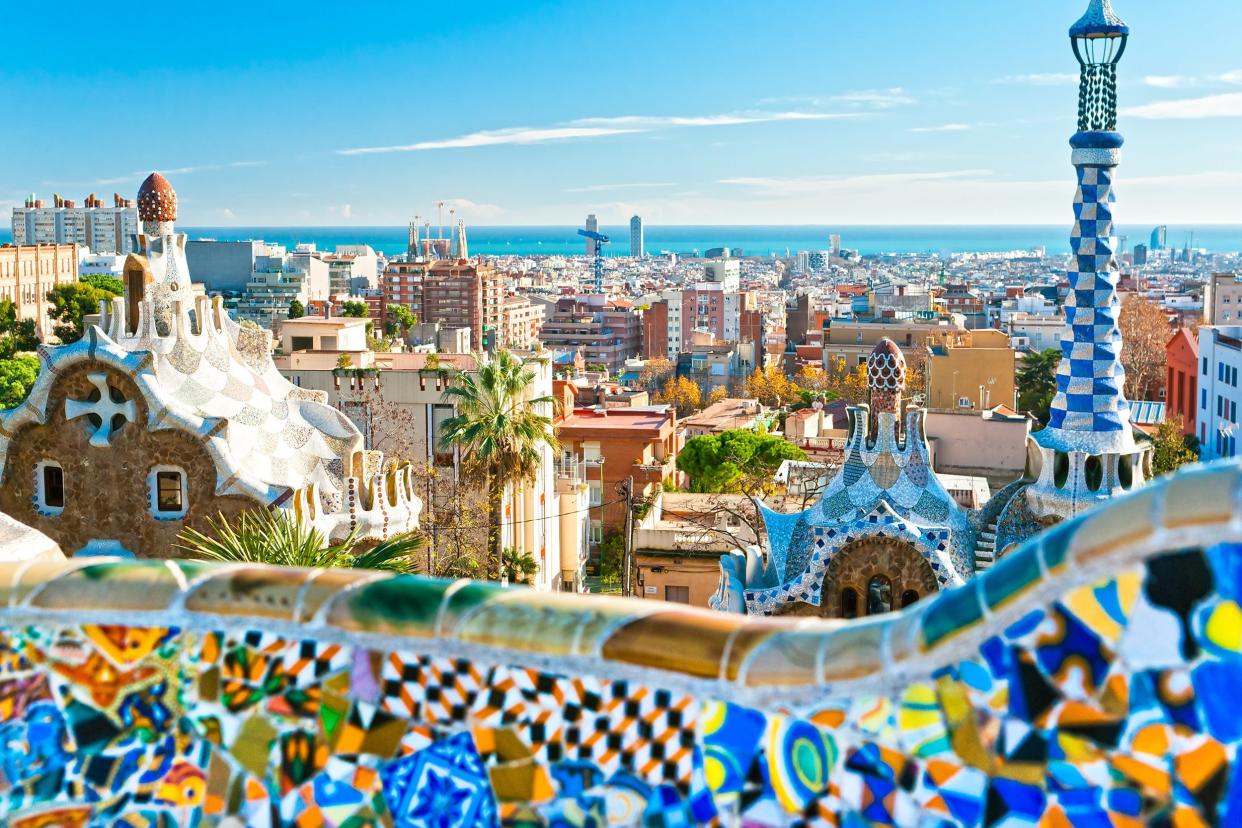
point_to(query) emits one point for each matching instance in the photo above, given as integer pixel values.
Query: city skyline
(823, 114)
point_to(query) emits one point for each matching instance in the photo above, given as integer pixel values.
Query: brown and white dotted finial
(157, 204)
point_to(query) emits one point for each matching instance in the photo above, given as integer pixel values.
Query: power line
(528, 520)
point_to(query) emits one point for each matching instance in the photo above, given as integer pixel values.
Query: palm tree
(275, 537)
(1037, 382)
(499, 432)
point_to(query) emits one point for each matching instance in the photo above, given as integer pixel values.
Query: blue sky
(784, 111)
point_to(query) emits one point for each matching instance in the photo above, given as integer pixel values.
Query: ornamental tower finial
(1099, 39)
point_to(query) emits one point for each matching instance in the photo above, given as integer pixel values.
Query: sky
(684, 111)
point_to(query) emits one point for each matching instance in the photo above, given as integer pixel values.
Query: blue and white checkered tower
(1088, 452)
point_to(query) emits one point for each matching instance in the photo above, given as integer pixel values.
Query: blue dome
(1100, 21)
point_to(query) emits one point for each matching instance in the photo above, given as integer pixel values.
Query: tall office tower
(1160, 238)
(1088, 452)
(592, 224)
(636, 237)
(834, 244)
(1140, 254)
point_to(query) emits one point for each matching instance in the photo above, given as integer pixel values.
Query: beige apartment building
(970, 369)
(1222, 299)
(28, 272)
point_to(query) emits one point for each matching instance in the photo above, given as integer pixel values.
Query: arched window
(909, 597)
(849, 603)
(879, 595)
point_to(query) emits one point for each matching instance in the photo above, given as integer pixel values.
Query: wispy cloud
(637, 185)
(1231, 78)
(1212, 106)
(942, 128)
(595, 128)
(878, 98)
(902, 157)
(1040, 79)
(122, 179)
(779, 186)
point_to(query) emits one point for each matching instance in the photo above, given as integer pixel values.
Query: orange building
(616, 444)
(1181, 396)
(28, 272)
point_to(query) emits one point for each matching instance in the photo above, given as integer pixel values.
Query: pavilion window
(879, 595)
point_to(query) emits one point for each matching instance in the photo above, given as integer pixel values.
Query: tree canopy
(734, 461)
(1144, 333)
(17, 375)
(74, 300)
(1037, 382)
(296, 309)
(15, 334)
(682, 394)
(1170, 449)
(355, 309)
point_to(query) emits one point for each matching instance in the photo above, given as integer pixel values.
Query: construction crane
(600, 240)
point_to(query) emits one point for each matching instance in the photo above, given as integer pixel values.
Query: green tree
(735, 461)
(355, 309)
(17, 376)
(1037, 382)
(296, 309)
(105, 282)
(273, 536)
(519, 567)
(402, 317)
(1170, 449)
(70, 303)
(15, 334)
(498, 431)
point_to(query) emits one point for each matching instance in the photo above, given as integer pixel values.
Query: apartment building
(606, 333)
(1220, 372)
(456, 293)
(100, 229)
(970, 369)
(28, 272)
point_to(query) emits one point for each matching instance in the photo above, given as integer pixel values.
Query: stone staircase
(985, 548)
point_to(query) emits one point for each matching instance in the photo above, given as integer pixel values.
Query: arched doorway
(873, 576)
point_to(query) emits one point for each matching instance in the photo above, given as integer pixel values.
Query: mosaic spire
(1090, 412)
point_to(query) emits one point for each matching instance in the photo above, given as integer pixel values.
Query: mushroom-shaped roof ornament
(157, 202)
(886, 367)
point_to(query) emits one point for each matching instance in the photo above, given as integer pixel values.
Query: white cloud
(122, 179)
(471, 210)
(1169, 81)
(942, 128)
(594, 128)
(777, 186)
(879, 98)
(637, 185)
(1040, 79)
(1228, 105)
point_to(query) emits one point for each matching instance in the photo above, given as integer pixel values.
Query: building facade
(1220, 369)
(636, 238)
(28, 272)
(103, 230)
(1181, 357)
(974, 369)
(604, 332)
(455, 293)
(1222, 299)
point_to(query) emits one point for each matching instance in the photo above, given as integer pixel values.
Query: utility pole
(626, 489)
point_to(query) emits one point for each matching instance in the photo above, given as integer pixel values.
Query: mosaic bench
(1088, 679)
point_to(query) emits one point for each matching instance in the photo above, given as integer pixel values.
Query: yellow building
(970, 369)
(28, 272)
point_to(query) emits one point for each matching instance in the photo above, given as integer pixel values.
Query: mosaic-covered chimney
(1088, 451)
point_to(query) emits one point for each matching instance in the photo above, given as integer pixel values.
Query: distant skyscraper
(1140, 254)
(1160, 238)
(592, 224)
(834, 244)
(636, 237)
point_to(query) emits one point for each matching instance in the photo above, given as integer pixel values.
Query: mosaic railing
(1088, 679)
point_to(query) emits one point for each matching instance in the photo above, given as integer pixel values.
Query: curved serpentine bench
(1089, 676)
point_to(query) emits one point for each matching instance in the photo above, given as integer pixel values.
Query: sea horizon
(749, 239)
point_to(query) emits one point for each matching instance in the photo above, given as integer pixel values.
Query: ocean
(751, 240)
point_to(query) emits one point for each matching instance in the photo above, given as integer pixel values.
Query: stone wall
(106, 489)
(1089, 678)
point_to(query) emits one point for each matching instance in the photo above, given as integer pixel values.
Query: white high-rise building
(592, 224)
(1220, 389)
(102, 230)
(636, 237)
